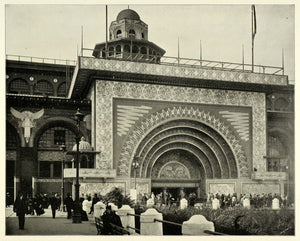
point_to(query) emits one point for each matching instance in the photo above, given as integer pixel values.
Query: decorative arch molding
(205, 138)
(52, 122)
(210, 157)
(152, 121)
(203, 161)
(174, 169)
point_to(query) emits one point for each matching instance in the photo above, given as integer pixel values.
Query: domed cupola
(84, 146)
(128, 14)
(128, 39)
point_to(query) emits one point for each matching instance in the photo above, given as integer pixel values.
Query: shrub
(233, 221)
(116, 197)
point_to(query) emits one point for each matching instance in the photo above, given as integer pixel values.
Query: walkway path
(46, 225)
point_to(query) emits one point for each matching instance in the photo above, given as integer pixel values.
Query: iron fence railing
(162, 60)
(187, 62)
(41, 60)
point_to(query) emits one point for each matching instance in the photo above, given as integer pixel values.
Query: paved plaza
(46, 225)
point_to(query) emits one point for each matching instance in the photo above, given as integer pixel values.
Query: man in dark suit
(54, 202)
(69, 205)
(20, 208)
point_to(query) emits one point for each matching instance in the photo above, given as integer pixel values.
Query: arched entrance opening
(179, 173)
(194, 149)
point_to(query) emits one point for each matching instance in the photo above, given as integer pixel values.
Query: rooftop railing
(163, 60)
(186, 62)
(41, 60)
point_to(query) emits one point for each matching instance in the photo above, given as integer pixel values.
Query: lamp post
(63, 149)
(77, 208)
(135, 165)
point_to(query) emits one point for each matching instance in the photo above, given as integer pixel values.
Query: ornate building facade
(155, 125)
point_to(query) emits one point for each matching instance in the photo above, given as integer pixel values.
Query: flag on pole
(253, 21)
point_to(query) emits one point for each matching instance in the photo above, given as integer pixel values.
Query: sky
(54, 31)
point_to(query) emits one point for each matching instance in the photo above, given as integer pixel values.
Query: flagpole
(200, 53)
(283, 61)
(252, 38)
(106, 32)
(81, 41)
(243, 56)
(178, 51)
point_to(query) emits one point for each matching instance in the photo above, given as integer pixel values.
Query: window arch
(127, 48)
(19, 86)
(43, 87)
(143, 50)
(111, 51)
(103, 53)
(61, 90)
(118, 49)
(276, 154)
(119, 33)
(281, 104)
(131, 33)
(55, 136)
(135, 49)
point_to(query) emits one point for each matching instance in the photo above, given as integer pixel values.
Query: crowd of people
(256, 200)
(226, 200)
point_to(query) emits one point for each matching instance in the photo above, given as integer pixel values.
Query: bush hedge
(232, 221)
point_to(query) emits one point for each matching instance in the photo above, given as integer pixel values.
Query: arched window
(61, 90)
(143, 36)
(43, 87)
(49, 158)
(56, 136)
(143, 50)
(119, 34)
(118, 49)
(103, 53)
(131, 33)
(127, 48)
(281, 104)
(276, 154)
(19, 86)
(111, 51)
(135, 49)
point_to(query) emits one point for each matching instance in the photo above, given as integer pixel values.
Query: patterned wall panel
(260, 188)
(181, 71)
(221, 188)
(107, 90)
(100, 188)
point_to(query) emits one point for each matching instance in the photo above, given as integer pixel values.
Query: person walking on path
(20, 208)
(69, 205)
(54, 202)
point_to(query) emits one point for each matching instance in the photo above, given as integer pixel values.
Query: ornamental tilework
(106, 91)
(100, 188)
(180, 71)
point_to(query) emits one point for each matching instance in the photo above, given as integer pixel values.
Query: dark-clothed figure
(109, 217)
(54, 202)
(20, 208)
(95, 200)
(69, 205)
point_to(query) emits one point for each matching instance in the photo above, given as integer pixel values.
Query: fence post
(99, 209)
(148, 226)
(127, 220)
(275, 204)
(196, 225)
